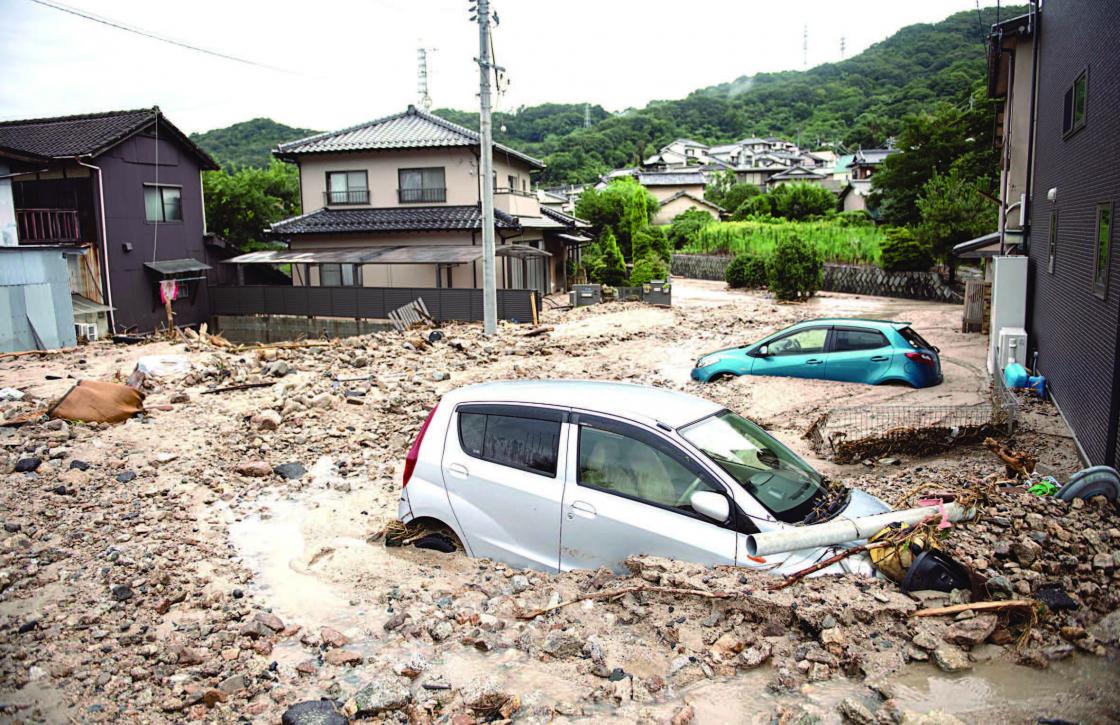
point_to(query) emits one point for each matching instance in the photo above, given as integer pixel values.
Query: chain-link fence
(847, 435)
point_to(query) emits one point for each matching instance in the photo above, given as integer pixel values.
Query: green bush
(686, 225)
(904, 252)
(746, 270)
(613, 271)
(756, 206)
(647, 269)
(854, 218)
(795, 271)
(836, 243)
(652, 240)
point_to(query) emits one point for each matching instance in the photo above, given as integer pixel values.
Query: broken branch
(991, 606)
(242, 386)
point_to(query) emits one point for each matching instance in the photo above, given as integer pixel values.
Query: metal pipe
(104, 244)
(844, 530)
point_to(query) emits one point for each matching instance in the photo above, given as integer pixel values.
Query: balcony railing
(430, 195)
(342, 198)
(47, 225)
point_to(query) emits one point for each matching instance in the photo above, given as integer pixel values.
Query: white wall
(8, 232)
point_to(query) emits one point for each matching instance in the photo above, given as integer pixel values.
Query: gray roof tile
(391, 219)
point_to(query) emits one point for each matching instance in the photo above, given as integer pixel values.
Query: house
(679, 153)
(664, 184)
(866, 162)
(1057, 77)
(853, 197)
(681, 202)
(799, 175)
(396, 202)
(124, 189)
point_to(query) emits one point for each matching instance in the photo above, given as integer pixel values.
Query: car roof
(855, 321)
(638, 402)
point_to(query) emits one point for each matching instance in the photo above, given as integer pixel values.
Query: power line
(119, 25)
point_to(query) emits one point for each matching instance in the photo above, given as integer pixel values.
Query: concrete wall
(664, 192)
(276, 328)
(35, 308)
(677, 206)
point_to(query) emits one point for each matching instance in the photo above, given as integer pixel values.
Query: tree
(801, 201)
(624, 206)
(685, 225)
(903, 252)
(758, 206)
(613, 272)
(649, 268)
(952, 211)
(653, 241)
(240, 206)
(795, 270)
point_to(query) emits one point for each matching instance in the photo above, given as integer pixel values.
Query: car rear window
(530, 444)
(916, 341)
(848, 339)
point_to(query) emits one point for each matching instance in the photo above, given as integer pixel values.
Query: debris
(615, 593)
(1019, 463)
(408, 315)
(163, 365)
(290, 471)
(94, 401)
(10, 394)
(314, 712)
(266, 420)
(242, 386)
(1012, 604)
(27, 465)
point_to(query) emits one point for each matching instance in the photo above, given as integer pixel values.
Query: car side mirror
(713, 505)
(763, 351)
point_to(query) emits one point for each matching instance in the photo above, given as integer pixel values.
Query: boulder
(381, 695)
(971, 632)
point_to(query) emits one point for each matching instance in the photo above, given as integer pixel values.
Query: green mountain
(248, 143)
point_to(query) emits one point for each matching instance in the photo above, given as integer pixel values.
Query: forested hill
(248, 143)
(859, 101)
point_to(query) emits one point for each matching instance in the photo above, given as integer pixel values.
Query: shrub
(902, 251)
(801, 201)
(756, 206)
(613, 271)
(854, 218)
(795, 270)
(686, 225)
(647, 269)
(746, 270)
(651, 240)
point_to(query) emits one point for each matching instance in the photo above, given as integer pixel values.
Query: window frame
(824, 349)
(551, 415)
(345, 173)
(1052, 243)
(356, 274)
(422, 188)
(670, 448)
(1070, 123)
(833, 338)
(1100, 276)
(162, 203)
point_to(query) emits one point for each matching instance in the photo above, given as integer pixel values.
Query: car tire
(1090, 482)
(436, 542)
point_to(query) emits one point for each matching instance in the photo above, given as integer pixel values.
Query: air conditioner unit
(86, 330)
(1012, 346)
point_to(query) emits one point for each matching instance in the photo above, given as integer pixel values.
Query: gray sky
(353, 60)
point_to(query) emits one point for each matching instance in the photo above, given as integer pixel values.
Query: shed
(36, 311)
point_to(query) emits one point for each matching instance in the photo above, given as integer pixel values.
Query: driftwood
(615, 593)
(537, 331)
(1019, 463)
(242, 386)
(21, 353)
(1027, 604)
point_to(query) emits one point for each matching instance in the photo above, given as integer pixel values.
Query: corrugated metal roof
(391, 219)
(177, 266)
(411, 129)
(86, 306)
(412, 254)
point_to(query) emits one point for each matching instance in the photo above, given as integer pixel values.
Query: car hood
(736, 349)
(864, 504)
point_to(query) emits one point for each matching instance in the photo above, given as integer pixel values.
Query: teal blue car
(853, 351)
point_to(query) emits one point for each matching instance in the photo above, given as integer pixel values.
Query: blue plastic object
(1016, 375)
(1037, 383)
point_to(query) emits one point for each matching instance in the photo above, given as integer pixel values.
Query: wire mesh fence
(852, 434)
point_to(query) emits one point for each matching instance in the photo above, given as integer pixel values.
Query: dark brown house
(1057, 71)
(125, 186)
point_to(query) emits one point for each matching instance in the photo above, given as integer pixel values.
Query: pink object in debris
(940, 504)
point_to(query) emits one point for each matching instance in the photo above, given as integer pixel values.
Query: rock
(121, 592)
(1108, 629)
(256, 469)
(519, 583)
(440, 630)
(561, 643)
(267, 419)
(925, 640)
(755, 655)
(999, 587)
(333, 638)
(440, 375)
(854, 711)
(27, 465)
(683, 715)
(277, 369)
(126, 476)
(951, 659)
(487, 699)
(971, 632)
(255, 630)
(314, 712)
(290, 471)
(933, 717)
(380, 695)
(233, 684)
(342, 657)
(270, 620)
(79, 465)
(1026, 551)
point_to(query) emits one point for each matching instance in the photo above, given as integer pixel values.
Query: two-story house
(396, 202)
(125, 188)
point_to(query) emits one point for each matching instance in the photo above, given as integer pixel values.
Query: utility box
(658, 292)
(583, 295)
(1012, 345)
(1009, 303)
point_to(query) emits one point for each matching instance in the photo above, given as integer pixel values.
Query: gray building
(35, 306)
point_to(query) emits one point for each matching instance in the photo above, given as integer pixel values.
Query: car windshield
(784, 484)
(916, 341)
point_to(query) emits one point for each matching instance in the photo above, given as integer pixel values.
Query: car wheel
(436, 542)
(1095, 481)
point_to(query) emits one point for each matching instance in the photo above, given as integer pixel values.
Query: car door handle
(880, 358)
(581, 509)
(458, 470)
(814, 361)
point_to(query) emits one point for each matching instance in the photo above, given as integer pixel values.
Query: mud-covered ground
(179, 570)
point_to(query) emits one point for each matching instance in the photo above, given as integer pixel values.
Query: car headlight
(708, 360)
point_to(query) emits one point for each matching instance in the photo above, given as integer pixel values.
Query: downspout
(104, 243)
(1036, 39)
(1009, 128)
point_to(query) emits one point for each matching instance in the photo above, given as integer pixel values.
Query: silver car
(558, 475)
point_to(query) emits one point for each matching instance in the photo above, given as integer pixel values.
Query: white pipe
(844, 530)
(104, 246)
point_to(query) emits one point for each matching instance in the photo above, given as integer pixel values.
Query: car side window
(527, 443)
(802, 342)
(848, 340)
(618, 463)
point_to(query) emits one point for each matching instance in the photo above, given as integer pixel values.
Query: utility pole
(486, 164)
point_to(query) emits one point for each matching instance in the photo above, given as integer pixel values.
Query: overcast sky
(346, 61)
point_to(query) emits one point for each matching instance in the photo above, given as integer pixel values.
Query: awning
(86, 306)
(575, 238)
(988, 245)
(414, 254)
(175, 267)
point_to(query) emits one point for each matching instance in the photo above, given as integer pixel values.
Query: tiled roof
(565, 219)
(693, 197)
(798, 172)
(408, 130)
(872, 156)
(391, 219)
(671, 178)
(87, 135)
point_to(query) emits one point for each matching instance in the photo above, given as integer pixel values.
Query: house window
(163, 203)
(347, 187)
(1074, 106)
(422, 186)
(1103, 249)
(511, 180)
(1052, 250)
(339, 275)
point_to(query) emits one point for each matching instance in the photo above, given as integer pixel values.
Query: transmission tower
(842, 46)
(422, 93)
(805, 45)
(586, 115)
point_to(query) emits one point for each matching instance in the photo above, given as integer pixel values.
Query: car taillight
(921, 357)
(414, 451)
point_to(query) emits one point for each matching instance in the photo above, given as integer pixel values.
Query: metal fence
(850, 434)
(375, 303)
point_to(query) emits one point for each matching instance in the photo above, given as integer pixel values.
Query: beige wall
(1016, 131)
(677, 206)
(664, 192)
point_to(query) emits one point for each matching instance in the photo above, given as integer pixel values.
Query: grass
(836, 242)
